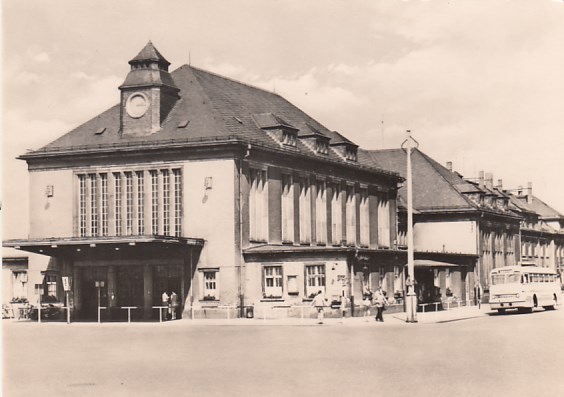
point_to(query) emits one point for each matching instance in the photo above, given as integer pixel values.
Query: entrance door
(167, 278)
(425, 288)
(130, 291)
(89, 291)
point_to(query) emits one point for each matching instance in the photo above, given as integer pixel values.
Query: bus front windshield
(506, 278)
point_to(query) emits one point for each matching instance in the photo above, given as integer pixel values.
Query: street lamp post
(411, 301)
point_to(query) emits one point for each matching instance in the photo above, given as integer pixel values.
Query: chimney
(520, 191)
(500, 184)
(449, 165)
(481, 178)
(489, 180)
(530, 192)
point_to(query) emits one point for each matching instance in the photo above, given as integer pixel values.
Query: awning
(106, 247)
(430, 264)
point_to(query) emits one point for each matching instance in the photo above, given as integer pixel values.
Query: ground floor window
(49, 288)
(272, 281)
(19, 285)
(210, 284)
(315, 279)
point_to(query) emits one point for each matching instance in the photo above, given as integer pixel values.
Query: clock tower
(148, 93)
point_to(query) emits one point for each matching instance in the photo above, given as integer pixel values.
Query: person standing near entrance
(319, 304)
(366, 303)
(343, 306)
(174, 304)
(165, 299)
(381, 302)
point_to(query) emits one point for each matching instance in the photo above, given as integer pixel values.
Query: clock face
(137, 105)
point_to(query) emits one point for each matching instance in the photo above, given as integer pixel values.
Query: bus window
(497, 279)
(513, 278)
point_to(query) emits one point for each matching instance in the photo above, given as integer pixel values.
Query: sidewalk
(391, 319)
(443, 316)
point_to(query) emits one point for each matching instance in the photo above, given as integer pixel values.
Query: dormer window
(351, 154)
(277, 128)
(321, 147)
(314, 139)
(289, 138)
(346, 149)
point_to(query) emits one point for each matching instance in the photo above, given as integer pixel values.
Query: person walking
(366, 303)
(381, 303)
(165, 301)
(319, 304)
(343, 306)
(174, 304)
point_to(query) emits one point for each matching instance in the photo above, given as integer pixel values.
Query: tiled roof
(518, 205)
(544, 210)
(269, 120)
(214, 107)
(339, 139)
(434, 186)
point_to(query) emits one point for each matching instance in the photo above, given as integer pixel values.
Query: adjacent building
(462, 229)
(541, 231)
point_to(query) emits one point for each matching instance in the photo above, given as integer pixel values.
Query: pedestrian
(343, 306)
(165, 299)
(319, 304)
(381, 303)
(174, 304)
(366, 303)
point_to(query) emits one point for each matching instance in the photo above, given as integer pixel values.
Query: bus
(524, 287)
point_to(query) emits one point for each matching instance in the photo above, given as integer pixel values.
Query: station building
(224, 193)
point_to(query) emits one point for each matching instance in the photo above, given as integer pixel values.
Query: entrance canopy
(103, 247)
(430, 264)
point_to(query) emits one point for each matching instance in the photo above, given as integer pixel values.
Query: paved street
(485, 355)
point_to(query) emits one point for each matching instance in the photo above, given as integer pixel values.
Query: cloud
(348, 70)
(25, 78)
(21, 134)
(82, 76)
(40, 57)
(223, 69)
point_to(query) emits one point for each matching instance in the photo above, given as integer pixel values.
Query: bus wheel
(551, 307)
(501, 311)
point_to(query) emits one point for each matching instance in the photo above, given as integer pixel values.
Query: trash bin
(249, 311)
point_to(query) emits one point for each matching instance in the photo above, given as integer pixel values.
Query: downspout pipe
(241, 289)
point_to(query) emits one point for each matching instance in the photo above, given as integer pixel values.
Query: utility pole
(411, 300)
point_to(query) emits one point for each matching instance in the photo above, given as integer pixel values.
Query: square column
(148, 292)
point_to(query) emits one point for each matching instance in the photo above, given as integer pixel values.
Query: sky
(479, 83)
